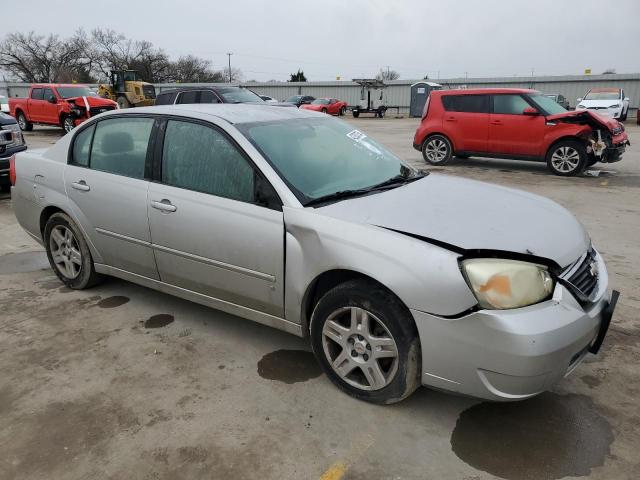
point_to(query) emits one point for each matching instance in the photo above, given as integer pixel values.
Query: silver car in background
(299, 221)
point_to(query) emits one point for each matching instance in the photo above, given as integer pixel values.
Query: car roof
(49, 85)
(208, 87)
(484, 91)
(235, 113)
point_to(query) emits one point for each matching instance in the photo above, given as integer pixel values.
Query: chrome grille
(582, 276)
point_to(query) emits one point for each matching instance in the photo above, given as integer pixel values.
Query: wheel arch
(431, 134)
(46, 214)
(327, 280)
(573, 138)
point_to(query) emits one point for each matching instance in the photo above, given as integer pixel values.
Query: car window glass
(81, 145)
(466, 103)
(201, 158)
(188, 97)
(47, 93)
(36, 94)
(509, 104)
(207, 96)
(120, 146)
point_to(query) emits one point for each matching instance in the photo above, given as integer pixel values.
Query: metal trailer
(371, 97)
(420, 91)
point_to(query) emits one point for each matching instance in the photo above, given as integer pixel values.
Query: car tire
(68, 124)
(462, 156)
(23, 123)
(343, 111)
(366, 342)
(567, 158)
(623, 116)
(68, 253)
(437, 150)
(324, 110)
(123, 102)
(381, 113)
(355, 113)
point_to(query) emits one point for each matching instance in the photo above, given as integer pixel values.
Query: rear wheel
(623, 116)
(567, 158)
(324, 110)
(343, 111)
(366, 342)
(68, 253)
(437, 150)
(356, 113)
(23, 123)
(123, 102)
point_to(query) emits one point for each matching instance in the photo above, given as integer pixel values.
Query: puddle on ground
(23, 262)
(158, 321)
(547, 437)
(112, 302)
(289, 366)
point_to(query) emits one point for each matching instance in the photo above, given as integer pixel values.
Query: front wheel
(437, 150)
(381, 113)
(343, 111)
(324, 110)
(123, 102)
(366, 342)
(68, 124)
(356, 113)
(567, 158)
(23, 123)
(68, 253)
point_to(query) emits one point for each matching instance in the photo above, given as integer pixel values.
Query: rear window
(188, 97)
(466, 103)
(37, 94)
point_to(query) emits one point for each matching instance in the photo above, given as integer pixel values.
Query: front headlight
(502, 284)
(581, 106)
(617, 105)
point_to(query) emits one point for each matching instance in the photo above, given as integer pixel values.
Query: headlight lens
(581, 106)
(502, 284)
(617, 105)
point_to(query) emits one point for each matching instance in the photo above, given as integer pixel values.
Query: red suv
(517, 124)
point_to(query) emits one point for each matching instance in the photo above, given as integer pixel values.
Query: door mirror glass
(530, 111)
(626, 99)
(52, 99)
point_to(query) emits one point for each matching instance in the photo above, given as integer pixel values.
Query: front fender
(424, 276)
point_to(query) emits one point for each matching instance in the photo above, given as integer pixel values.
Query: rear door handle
(451, 119)
(164, 205)
(81, 185)
(496, 122)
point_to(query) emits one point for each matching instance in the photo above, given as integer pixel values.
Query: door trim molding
(216, 263)
(216, 303)
(125, 238)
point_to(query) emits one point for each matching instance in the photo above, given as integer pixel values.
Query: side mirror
(6, 138)
(626, 99)
(580, 99)
(530, 111)
(52, 99)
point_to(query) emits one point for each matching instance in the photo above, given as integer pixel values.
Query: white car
(268, 99)
(4, 104)
(610, 102)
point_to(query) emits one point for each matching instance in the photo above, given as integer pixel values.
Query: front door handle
(164, 205)
(451, 119)
(496, 122)
(81, 185)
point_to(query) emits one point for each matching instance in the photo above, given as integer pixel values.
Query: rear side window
(200, 158)
(509, 104)
(36, 94)
(165, 99)
(207, 96)
(47, 94)
(188, 97)
(466, 103)
(81, 146)
(120, 146)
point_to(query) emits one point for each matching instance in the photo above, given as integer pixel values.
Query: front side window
(120, 146)
(200, 158)
(36, 94)
(466, 103)
(320, 101)
(81, 146)
(318, 157)
(509, 104)
(207, 96)
(546, 104)
(238, 95)
(47, 94)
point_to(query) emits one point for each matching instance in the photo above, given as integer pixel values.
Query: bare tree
(193, 69)
(236, 74)
(387, 74)
(38, 58)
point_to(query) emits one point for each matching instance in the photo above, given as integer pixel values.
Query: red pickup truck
(58, 104)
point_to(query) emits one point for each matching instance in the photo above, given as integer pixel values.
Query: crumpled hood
(607, 122)
(471, 215)
(92, 101)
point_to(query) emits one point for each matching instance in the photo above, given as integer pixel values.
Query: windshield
(293, 99)
(320, 101)
(238, 95)
(547, 104)
(3, 100)
(321, 156)
(597, 94)
(71, 92)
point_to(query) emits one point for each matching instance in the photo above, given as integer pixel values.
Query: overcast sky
(355, 38)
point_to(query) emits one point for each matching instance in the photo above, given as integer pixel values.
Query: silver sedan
(299, 221)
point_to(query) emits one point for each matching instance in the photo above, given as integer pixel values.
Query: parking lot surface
(122, 382)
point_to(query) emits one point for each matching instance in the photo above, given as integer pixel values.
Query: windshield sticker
(356, 135)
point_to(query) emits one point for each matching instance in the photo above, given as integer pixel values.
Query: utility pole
(229, 55)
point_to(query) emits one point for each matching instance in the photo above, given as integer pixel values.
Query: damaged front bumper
(507, 355)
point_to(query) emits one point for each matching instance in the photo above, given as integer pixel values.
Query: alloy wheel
(565, 159)
(65, 251)
(436, 150)
(360, 348)
(68, 124)
(22, 123)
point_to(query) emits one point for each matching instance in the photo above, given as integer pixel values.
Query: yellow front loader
(127, 88)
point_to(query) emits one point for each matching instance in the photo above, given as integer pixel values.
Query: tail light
(12, 170)
(425, 110)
